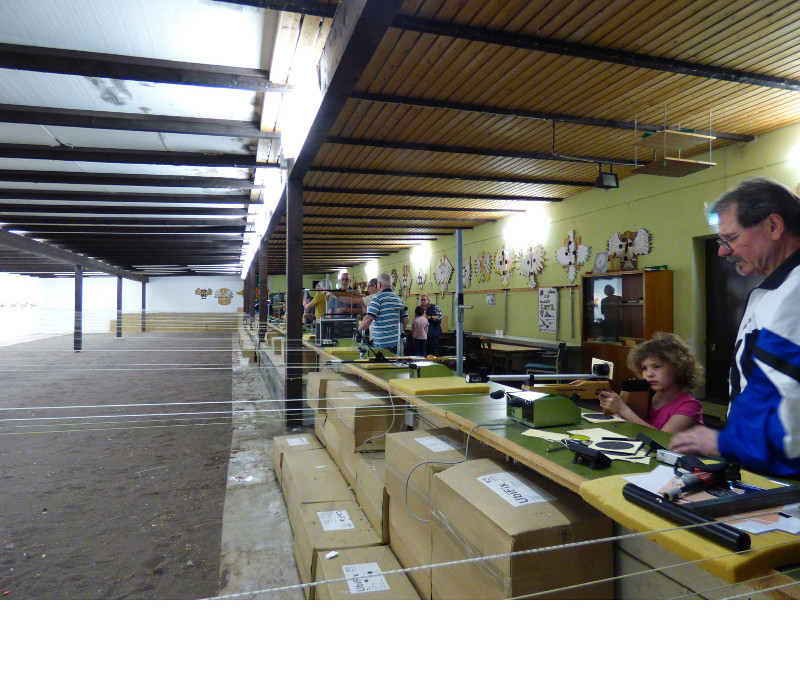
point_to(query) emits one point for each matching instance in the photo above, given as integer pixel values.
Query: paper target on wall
(466, 272)
(442, 274)
(483, 267)
(504, 264)
(421, 278)
(395, 281)
(629, 246)
(531, 262)
(406, 282)
(572, 255)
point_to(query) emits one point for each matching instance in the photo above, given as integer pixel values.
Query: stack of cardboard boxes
(428, 497)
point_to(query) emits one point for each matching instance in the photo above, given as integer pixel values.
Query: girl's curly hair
(673, 353)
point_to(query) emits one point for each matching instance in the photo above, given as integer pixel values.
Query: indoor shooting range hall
(310, 300)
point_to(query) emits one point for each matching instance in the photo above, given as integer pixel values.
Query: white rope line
(539, 550)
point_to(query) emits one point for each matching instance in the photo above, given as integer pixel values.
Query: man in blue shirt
(434, 316)
(759, 232)
(386, 316)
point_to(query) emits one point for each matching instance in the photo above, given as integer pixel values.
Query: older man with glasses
(759, 231)
(345, 302)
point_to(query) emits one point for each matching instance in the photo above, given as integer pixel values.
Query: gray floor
(257, 552)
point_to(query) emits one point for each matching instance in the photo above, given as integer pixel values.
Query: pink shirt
(684, 404)
(419, 328)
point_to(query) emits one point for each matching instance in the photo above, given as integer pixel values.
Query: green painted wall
(672, 209)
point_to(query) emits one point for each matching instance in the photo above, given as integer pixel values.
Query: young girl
(419, 331)
(670, 367)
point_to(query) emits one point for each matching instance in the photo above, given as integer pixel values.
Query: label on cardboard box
(297, 441)
(366, 396)
(350, 383)
(364, 577)
(335, 520)
(513, 490)
(434, 445)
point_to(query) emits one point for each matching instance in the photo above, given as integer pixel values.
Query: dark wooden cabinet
(620, 309)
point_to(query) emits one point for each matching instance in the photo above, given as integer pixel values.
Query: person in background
(317, 303)
(419, 332)
(671, 369)
(434, 316)
(386, 311)
(372, 288)
(346, 303)
(759, 232)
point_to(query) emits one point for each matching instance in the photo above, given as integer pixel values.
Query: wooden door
(726, 295)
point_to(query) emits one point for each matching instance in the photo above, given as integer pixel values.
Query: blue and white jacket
(763, 428)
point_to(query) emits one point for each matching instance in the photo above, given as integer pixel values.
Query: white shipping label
(297, 441)
(434, 445)
(364, 577)
(366, 396)
(350, 383)
(335, 520)
(513, 489)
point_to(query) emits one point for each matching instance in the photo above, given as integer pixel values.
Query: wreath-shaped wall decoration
(442, 274)
(531, 262)
(504, 264)
(421, 278)
(466, 272)
(395, 280)
(629, 246)
(483, 266)
(572, 255)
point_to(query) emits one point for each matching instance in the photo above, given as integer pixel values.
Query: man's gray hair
(757, 198)
(385, 280)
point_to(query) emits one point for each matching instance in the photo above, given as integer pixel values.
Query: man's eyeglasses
(727, 241)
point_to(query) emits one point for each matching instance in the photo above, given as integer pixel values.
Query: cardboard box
(334, 436)
(316, 388)
(319, 426)
(366, 418)
(322, 527)
(278, 346)
(370, 488)
(413, 457)
(366, 567)
(312, 477)
(484, 508)
(290, 444)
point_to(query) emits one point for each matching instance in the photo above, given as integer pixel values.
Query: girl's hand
(610, 402)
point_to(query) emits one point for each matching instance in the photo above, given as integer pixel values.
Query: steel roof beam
(128, 68)
(96, 119)
(40, 249)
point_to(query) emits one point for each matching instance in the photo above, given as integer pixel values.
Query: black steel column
(119, 306)
(247, 293)
(144, 307)
(263, 271)
(255, 282)
(294, 302)
(78, 333)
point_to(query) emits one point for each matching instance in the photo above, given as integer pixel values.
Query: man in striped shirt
(385, 314)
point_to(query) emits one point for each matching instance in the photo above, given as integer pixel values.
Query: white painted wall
(179, 294)
(20, 305)
(38, 306)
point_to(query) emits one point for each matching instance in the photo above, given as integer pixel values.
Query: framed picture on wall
(490, 299)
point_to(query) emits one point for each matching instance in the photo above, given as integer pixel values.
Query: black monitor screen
(335, 329)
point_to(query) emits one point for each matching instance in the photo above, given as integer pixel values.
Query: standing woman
(434, 316)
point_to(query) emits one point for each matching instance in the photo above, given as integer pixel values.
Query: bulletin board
(548, 309)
